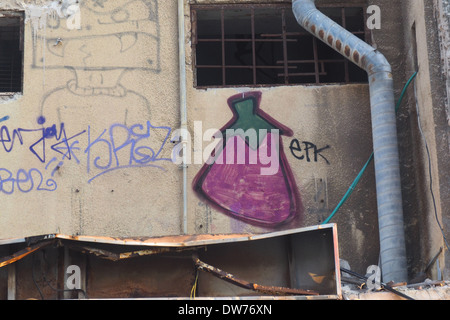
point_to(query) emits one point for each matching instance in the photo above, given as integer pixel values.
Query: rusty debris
(163, 241)
(228, 277)
(114, 256)
(24, 252)
(385, 286)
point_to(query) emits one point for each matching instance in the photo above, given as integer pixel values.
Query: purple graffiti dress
(260, 188)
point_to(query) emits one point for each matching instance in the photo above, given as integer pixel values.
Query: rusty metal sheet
(116, 256)
(167, 241)
(277, 265)
(24, 252)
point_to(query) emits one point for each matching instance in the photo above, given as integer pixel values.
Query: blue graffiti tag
(116, 148)
(38, 148)
(32, 179)
(25, 181)
(136, 156)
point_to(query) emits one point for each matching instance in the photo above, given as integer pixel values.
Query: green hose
(358, 177)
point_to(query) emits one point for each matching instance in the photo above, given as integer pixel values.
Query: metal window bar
(222, 28)
(253, 44)
(285, 37)
(285, 53)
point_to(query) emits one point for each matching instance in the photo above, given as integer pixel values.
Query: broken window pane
(262, 44)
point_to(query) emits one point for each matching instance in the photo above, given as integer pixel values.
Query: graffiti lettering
(297, 151)
(122, 147)
(25, 181)
(38, 148)
(118, 147)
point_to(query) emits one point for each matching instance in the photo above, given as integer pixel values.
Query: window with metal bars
(11, 52)
(263, 45)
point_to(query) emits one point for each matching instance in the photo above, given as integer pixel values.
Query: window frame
(20, 15)
(318, 64)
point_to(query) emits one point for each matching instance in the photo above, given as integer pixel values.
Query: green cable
(404, 91)
(350, 190)
(358, 177)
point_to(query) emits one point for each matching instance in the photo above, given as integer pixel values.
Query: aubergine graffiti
(241, 189)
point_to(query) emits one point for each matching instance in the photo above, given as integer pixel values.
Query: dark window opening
(11, 52)
(238, 45)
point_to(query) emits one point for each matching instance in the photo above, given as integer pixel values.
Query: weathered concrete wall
(109, 95)
(86, 93)
(99, 104)
(425, 180)
(336, 119)
(442, 13)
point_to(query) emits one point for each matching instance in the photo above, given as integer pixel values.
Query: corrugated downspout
(384, 130)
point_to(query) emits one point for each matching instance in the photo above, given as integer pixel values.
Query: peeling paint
(37, 13)
(6, 98)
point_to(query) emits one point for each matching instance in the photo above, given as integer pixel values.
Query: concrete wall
(333, 117)
(99, 87)
(442, 14)
(100, 105)
(425, 180)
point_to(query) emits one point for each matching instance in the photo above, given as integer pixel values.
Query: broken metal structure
(299, 263)
(295, 264)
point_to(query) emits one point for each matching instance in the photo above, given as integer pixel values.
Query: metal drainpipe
(183, 107)
(384, 131)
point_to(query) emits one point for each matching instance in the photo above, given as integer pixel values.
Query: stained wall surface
(86, 148)
(424, 123)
